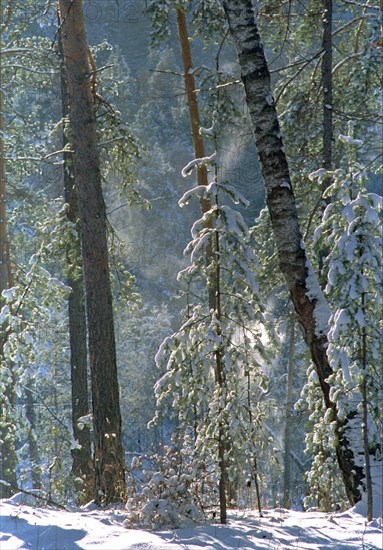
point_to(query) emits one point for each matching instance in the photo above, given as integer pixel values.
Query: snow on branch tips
(350, 140)
(186, 171)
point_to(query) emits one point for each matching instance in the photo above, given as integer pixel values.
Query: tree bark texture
(108, 453)
(191, 94)
(293, 259)
(82, 466)
(195, 124)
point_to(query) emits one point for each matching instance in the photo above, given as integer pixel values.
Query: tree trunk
(304, 291)
(108, 452)
(82, 466)
(289, 408)
(328, 130)
(7, 398)
(367, 459)
(195, 124)
(220, 379)
(365, 415)
(32, 442)
(212, 249)
(191, 94)
(255, 462)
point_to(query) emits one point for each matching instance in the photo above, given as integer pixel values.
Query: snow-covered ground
(32, 528)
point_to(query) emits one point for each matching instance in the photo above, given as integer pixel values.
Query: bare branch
(355, 20)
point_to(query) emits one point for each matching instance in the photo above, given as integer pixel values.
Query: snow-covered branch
(186, 171)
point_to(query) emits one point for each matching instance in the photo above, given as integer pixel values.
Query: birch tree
(309, 303)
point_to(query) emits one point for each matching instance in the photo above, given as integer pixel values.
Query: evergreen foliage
(221, 398)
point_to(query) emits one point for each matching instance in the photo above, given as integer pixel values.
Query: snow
(314, 293)
(286, 184)
(350, 140)
(318, 174)
(212, 131)
(10, 293)
(3, 314)
(27, 527)
(186, 171)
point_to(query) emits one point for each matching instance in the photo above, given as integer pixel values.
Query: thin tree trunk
(328, 131)
(195, 124)
(82, 466)
(108, 452)
(365, 417)
(190, 87)
(221, 383)
(289, 406)
(308, 301)
(32, 443)
(367, 459)
(8, 458)
(255, 462)
(212, 250)
(328, 128)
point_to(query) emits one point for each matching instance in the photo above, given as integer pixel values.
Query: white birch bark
(300, 278)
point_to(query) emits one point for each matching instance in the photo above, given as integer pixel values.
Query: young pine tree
(352, 231)
(213, 378)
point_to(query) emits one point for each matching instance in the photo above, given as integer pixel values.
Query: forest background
(144, 140)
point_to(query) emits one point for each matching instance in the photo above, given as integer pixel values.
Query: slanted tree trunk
(301, 281)
(108, 452)
(82, 466)
(212, 250)
(7, 397)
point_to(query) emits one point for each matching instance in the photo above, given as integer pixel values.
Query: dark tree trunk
(108, 452)
(82, 466)
(327, 87)
(32, 442)
(255, 462)
(288, 419)
(7, 434)
(328, 128)
(293, 259)
(365, 415)
(7, 450)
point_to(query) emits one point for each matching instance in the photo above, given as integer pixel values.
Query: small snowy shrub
(168, 494)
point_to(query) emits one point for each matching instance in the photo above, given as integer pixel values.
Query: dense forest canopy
(191, 254)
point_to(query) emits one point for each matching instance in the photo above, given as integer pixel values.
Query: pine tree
(352, 230)
(82, 467)
(108, 452)
(217, 410)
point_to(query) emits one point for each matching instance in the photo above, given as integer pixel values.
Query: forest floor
(28, 527)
